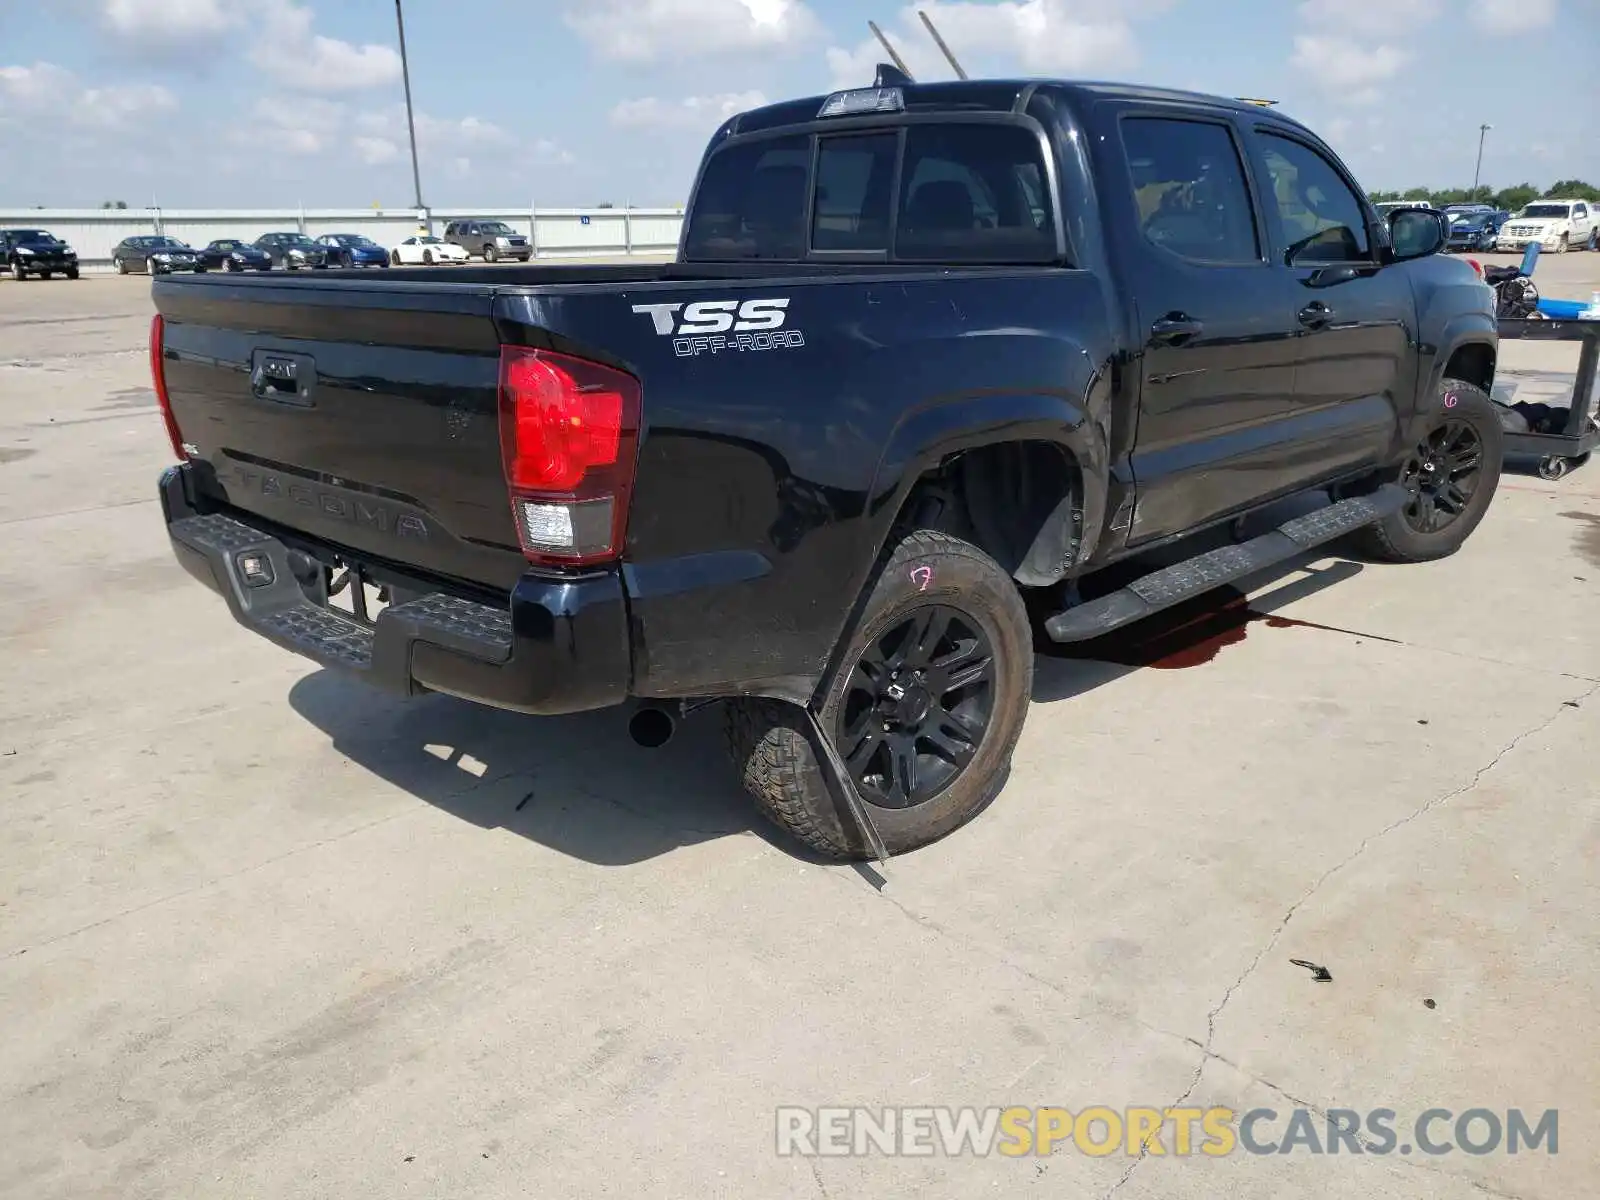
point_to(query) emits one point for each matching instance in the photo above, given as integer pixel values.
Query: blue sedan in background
(353, 250)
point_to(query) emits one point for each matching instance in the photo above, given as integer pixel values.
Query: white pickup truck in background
(1558, 225)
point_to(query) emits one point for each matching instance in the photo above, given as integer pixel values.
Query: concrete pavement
(265, 933)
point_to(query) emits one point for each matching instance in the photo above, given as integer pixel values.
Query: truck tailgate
(361, 414)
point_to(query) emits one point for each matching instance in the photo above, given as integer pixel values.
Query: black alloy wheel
(917, 706)
(1441, 476)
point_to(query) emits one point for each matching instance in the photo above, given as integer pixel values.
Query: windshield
(166, 243)
(429, 241)
(349, 239)
(33, 235)
(300, 239)
(1546, 210)
(496, 227)
(225, 245)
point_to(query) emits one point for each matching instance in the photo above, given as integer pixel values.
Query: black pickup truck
(930, 357)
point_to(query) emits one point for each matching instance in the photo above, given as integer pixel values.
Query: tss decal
(706, 325)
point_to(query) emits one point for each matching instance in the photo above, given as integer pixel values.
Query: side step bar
(1226, 564)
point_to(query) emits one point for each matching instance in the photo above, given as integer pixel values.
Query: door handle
(1174, 329)
(1315, 315)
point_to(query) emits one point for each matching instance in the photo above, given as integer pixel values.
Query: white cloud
(703, 113)
(163, 27)
(1346, 67)
(375, 151)
(1513, 16)
(645, 30)
(1042, 36)
(286, 49)
(54, 95)
(1369, 18)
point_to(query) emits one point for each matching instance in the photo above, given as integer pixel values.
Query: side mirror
(1416, 233)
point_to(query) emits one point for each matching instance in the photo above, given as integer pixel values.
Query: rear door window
(751, 203)
(973, 193)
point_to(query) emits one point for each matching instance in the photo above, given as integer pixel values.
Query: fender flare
(926, 437)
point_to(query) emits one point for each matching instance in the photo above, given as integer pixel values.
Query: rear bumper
(557, 646)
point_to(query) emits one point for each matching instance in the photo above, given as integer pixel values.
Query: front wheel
(122, 267)
(1450, 477)
(491, 254)
(427, 258)
(1563, 245)
(72, 272)
(924, 712)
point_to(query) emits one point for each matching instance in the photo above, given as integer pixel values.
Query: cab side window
(1322, 219)
(1190, 191)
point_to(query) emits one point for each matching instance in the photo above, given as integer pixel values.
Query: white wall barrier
(554, 232)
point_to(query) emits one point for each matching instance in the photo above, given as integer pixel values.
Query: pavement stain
(11, 454)
(1588, 535)
(1187, 635)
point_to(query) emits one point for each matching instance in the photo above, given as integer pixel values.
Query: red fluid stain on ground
(1186, 635)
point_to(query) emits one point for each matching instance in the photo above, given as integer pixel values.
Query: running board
(1226, 564)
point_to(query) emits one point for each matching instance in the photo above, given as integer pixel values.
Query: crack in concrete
(1206, 1051)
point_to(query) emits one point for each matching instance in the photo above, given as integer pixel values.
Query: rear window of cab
(956, 192)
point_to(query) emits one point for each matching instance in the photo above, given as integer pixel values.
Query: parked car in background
(37, 252)
(154, 254)
(492, 239)
(427, 250)
(230, 254)
(291, 251)
(1473, 230)
(353, 250)
(1557, 225)
(1390, 206)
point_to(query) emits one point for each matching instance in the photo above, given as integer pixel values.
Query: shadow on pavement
(580, 785)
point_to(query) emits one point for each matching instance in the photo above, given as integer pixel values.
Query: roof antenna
(899, 62)
(943, 49)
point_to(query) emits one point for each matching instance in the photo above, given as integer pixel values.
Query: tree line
(1510, 198)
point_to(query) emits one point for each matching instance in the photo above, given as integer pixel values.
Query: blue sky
(573, 102)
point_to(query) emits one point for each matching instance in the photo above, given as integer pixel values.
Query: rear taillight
(158, 380)
(569, 429)
(1476, 266)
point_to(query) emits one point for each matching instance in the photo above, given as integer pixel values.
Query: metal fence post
(533, 230)
(627, 227)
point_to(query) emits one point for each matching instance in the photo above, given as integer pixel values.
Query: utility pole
(1478, 170)
(411, 124)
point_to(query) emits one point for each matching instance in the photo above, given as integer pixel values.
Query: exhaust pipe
(652, 726)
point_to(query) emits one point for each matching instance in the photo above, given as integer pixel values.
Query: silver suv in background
(493, 240)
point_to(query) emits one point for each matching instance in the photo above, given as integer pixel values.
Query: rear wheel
(394, 257)
(924, 712)
(1450, 477)
(1594, 239)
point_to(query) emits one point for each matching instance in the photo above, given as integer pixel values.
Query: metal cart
(1558, 452)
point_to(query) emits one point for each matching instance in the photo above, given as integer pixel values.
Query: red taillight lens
(1476, 266)
(158, 380)
(569, 429)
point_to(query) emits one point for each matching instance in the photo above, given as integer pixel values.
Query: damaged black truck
(930, 357)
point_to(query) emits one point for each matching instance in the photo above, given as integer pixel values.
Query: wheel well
(1474, 364)
(1018, 502)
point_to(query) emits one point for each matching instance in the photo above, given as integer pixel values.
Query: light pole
(1478, 170)
(411, 124)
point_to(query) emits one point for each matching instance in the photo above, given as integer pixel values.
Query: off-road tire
(769, 742)
(1393, 539)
